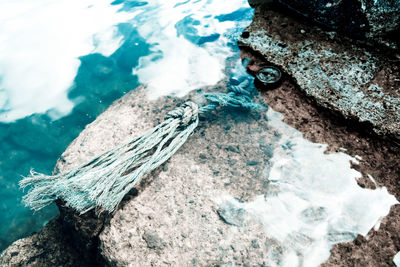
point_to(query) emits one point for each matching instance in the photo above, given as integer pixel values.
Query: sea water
(64, 62)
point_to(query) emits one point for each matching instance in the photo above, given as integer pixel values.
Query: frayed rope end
(102, 183)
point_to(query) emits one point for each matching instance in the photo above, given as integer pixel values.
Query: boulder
(175, 218)
(47, 248)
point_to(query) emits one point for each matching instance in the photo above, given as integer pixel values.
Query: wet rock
(355, 82)
(231, 215)
(344, 15)
(46, 248)
(359, 18)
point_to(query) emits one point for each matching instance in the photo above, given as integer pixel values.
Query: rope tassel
(102, 183)
(106, 179)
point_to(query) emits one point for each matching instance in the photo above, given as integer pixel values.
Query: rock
(232, 215)
(233, 149)
(358, 18)
(49, 247)
(252, 163)
(173, 219)
(202, 156)
(383, 16)
(352, 81)
(342, 15)
(259, 2)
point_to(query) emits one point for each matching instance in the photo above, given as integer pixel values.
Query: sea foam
(190, 44)
(313, 200)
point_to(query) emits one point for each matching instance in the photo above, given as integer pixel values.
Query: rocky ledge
(357, 82)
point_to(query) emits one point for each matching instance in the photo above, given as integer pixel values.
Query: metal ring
(268, 75)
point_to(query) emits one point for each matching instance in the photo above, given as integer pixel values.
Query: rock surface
(352, 81)
(174, 219)
(360, 19)
(383, 16)
(47, 248)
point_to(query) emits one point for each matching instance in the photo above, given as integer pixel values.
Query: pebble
(203, 156)
(252, 163)
(255, 244)
(234, 149)
(153, 241)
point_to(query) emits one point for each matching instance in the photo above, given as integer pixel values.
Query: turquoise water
(75, 71)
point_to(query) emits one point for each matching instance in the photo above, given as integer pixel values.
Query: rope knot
(187, 113)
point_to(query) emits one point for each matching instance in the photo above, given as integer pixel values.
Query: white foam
(40, 43)
(184, 66)
(396, 259)
(315, 201)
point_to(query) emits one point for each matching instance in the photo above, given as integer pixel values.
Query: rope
(102, 182)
